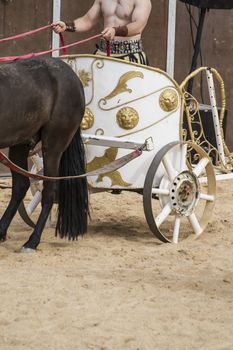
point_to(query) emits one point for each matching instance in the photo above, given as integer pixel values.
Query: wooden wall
(21, 16)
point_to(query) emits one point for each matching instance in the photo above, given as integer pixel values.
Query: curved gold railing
(228, 155)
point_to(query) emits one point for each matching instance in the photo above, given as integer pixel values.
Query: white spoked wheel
(181, 205)
(27, 209)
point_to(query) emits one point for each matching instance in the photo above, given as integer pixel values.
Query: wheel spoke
(37, 161)
(180, 193)
(163, 215)
(200, 166)
(162, 191)
(195, 224)
(34, 203)
(207, 197)
(176, 230)
(183, 157)
(172, 173)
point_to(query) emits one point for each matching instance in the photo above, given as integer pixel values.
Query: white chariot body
(129, 106)
(130, 103)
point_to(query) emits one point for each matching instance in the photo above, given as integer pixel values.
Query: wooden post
(56, 17)
(171, 30)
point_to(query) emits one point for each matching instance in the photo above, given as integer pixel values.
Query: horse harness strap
(116, 164)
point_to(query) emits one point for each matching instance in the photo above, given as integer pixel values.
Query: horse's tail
(72, 194)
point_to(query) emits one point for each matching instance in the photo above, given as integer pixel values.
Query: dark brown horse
(43, 100)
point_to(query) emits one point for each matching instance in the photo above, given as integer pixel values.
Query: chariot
(132, 106)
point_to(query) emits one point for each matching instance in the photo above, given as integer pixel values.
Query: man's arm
(140, 17)
(81, 24)
(90, 19)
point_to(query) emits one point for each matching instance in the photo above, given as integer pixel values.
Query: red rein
(35, 54)
(18, 36)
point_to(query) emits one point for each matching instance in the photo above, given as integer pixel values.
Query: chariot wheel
(177, 204)
(28, 207)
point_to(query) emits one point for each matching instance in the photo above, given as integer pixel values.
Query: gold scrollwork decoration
(195, 131)
(98, 63)
(122, 84)
(103, 102)
(115, 176)
(99, 131)
(228, 156)
(88, 119)
(168, 100)
(127, 118)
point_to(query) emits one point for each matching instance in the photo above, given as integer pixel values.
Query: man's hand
(58, 27)
(108, 33)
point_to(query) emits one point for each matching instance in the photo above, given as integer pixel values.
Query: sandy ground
(118, 287)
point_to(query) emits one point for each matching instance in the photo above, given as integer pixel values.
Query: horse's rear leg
(20, 185)
(51, 167)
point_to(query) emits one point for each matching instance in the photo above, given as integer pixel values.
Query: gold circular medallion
(127, 118)
(168, 100)
(88, 119)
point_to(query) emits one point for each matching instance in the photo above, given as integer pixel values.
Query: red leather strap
(18, 36)
(62, 41)
(116, 164)
(36, 54)
(108, 49)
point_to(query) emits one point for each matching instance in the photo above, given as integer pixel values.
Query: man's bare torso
(118, 13)
(115, 13)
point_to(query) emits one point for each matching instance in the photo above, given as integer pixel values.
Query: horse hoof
(27, 250)
(2, 239)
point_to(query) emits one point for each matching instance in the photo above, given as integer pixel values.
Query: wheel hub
(184, 193)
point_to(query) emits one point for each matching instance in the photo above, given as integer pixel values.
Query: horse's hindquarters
(34, 93)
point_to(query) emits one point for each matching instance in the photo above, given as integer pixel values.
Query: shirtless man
(124, 21)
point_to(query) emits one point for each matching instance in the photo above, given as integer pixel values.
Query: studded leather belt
(122, 47)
